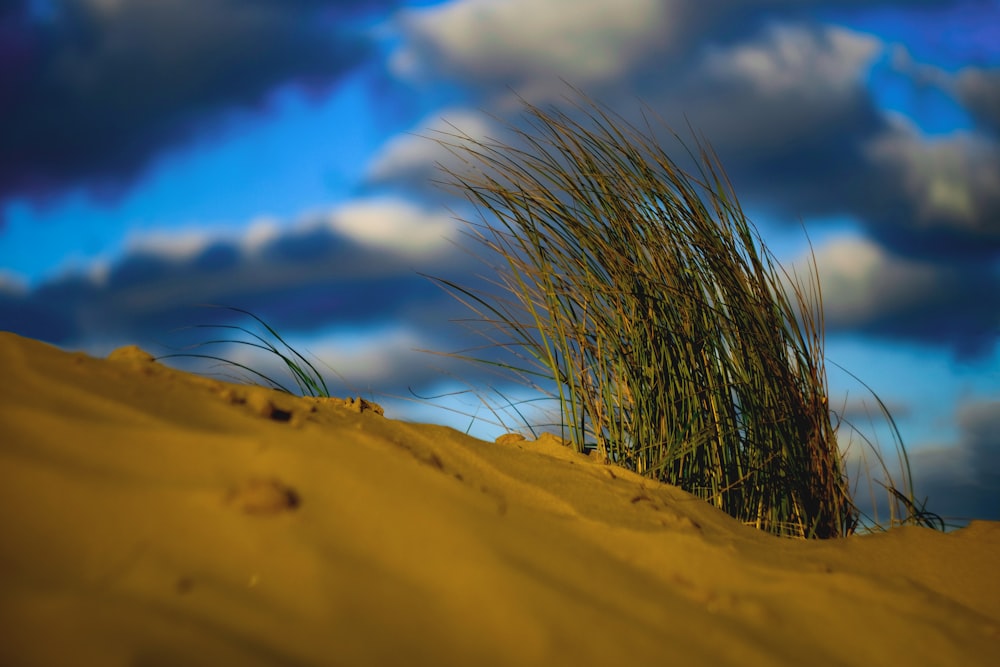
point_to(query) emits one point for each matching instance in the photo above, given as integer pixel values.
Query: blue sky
(263, 154)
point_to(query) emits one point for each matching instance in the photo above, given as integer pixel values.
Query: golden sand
(153, 517)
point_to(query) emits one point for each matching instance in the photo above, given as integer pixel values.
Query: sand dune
(153, 517)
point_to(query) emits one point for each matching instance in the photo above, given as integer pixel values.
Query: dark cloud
(800, 135)
(788, 113)
(932, 197)
(869, 290)
(979, 92)
(91, 91)
(963, 482)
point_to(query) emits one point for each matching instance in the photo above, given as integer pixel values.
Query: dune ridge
(154, 517)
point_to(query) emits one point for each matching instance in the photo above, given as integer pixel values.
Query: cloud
(979, 91)
(352, 267)
(798, 89)
(808, 140)
(866, 289)
(788, 113)
(394, 225)
(528, 44)
(93, 91)
(935, 197)
(488, 46)
(413, 162)
(784, 104)
(963, 481)
(792, 81)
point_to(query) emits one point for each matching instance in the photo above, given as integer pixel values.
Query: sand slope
(152, 517)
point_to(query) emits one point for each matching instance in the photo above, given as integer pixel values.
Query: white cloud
(784, 95)
(788, 84)
(861, 282)
(951, 180)
(177, 244)
(527, 40)
(785, 85)
(795, 60)
(260, 232)
(394, 224)
(384, 223)
(413, 159)
(872, 291)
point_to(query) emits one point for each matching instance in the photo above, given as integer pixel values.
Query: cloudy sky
(273, 155)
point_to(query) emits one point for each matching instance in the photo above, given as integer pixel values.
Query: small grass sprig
(307, 378)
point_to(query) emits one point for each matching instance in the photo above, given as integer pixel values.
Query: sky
(276, 156)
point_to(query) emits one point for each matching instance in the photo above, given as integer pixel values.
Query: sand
(153, 517)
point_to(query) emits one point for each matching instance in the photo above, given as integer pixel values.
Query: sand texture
(153, 517)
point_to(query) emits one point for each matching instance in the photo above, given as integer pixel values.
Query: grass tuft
(641, 294)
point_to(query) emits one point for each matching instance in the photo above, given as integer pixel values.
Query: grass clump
(644, 296)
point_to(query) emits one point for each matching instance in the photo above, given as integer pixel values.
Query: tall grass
(646, 297)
